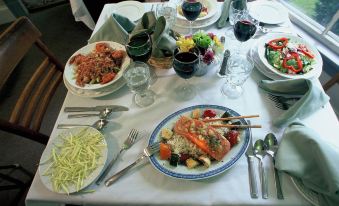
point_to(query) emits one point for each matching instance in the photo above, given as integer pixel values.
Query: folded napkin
(312, 98)
(305, 155)
(118, 28)
(224, 14)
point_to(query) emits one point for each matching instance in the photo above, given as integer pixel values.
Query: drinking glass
(137, 77)
(167, 10)
(139, 48)
(185, 64)
(237, 8)
(238, 69)
(191, 10)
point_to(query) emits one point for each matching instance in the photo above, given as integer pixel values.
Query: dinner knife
(114, 108)
(250, 156)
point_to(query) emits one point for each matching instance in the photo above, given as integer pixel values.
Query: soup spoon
(271, 149)
(259, 151)
(103, 114)
(99, 125)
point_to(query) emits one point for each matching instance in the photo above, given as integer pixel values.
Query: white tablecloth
(146, 186)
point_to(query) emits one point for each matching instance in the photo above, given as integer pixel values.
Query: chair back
(28, 111)
(334, 80)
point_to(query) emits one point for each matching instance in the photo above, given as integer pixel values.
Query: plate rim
(68, 67)
(135, 3)
(273, 4)
(227, 165)
(302, 188)
(97, 171)
(315, 73)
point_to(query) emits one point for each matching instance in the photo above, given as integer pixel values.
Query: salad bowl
(294, 41)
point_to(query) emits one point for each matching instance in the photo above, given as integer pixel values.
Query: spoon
(103, 114)
(259, 151)
(272, 147)
(99, 125)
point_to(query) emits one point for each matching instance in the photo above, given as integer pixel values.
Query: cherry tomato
(233, 137)
(165, 151)
(209, 113)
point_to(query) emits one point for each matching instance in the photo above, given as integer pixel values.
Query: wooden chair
(331, 82)
(26, 116)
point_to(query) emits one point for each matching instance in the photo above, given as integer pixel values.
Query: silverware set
(283, 103)
(259, 150)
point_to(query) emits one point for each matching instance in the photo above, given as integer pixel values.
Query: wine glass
(244, 28)
(191, 10)
(139, 48)
(167, 10)
(237, 8)
(137, 76)
(185, 64)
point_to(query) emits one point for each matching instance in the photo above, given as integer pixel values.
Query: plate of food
(209, 9)
(289, 56)
(73, 160)
(193, 146)
(96, 65)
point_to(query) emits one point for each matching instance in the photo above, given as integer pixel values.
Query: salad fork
(281, 102)
(148, 151)
(127, 144)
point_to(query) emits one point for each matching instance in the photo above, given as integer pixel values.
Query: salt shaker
(222, 71)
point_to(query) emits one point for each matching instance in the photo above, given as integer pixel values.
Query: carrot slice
(183, 127)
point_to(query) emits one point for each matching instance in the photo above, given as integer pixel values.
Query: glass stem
(191, 29)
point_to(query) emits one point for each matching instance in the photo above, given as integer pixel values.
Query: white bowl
(69, 69)
(317, 66)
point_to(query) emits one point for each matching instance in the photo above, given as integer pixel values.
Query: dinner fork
(148, 151)
(283, 103)
(127, 144)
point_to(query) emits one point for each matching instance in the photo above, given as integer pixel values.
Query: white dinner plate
(317, 66)
(198, 24)
(181, 171)
(308, 194)
(134, 9)
(268, 12)
(44, 164)
(211, 6)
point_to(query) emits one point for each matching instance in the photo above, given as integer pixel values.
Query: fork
(127, 144)
(148, 151)
(283, 103)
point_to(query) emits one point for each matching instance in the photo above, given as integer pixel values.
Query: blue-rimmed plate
(181, 171)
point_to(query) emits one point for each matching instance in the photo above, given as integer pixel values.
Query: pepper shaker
(222, 71)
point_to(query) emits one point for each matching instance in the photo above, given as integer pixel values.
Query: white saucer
(134, 9)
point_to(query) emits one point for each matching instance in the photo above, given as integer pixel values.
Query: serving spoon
(271, 149)
(260, 152)
(103, 114)
(99, 125)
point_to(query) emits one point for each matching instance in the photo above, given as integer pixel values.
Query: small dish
(268, 12)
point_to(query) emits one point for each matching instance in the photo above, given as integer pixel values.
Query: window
(317, 17)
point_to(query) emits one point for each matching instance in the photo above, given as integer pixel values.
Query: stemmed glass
(167, 10)
(137, 76)
(244, 28)
(191, 10)
(185, 64)
(139, 48)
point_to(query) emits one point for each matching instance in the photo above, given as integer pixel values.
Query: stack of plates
(257, 54)
(213, 15)
(94, 90)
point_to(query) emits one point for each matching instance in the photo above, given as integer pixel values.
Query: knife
(114, 108)
(250, 156)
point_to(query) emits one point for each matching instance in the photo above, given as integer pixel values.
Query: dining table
(144, 185)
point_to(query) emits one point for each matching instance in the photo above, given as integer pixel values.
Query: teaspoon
(259, 151)
(99, 125)
(272, 147)
(103, 114)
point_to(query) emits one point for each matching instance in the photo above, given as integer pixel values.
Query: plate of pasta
(193, 146)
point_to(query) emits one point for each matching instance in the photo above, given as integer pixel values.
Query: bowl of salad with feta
(289, 56)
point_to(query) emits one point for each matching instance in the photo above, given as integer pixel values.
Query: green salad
(289, 57)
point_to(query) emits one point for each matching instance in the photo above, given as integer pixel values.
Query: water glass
(137, 77)
(238, 69)
(237, 8)
(167, 10)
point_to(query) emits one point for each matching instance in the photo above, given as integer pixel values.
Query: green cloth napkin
(312, 98)
(304, 154)
(118, 28)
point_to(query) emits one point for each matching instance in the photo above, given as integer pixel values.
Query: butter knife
(114, 108)
(250, 156)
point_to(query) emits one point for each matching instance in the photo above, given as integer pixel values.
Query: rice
(181, 145)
